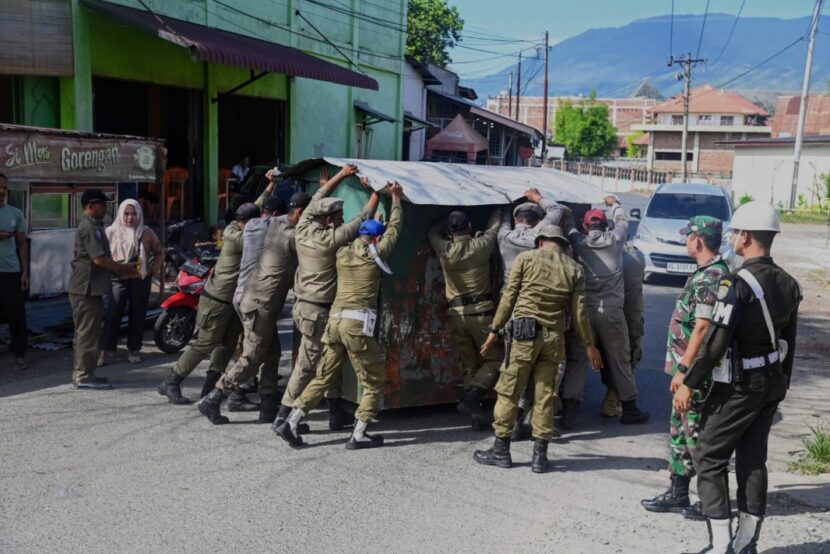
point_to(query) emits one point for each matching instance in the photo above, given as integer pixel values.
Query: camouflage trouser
(685, 429)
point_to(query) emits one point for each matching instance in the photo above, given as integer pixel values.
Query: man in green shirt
(89, 282)
(14, 274)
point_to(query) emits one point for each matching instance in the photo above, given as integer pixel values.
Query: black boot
(282, 415)
(210, 407)
(540, 456)
(521, 430)
(569, 407)
(361, 439)
(239, 402)
(268, 407)
(675, 499)
(211, 378)
(497, 455)
(631, 414)
(339, 418)
(694, 512)
(171, 387)
(288, 430)
(471, 406)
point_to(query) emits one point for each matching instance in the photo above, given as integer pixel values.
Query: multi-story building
(218, 80)
(714, 116)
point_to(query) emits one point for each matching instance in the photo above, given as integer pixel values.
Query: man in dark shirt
(88, 284)
(754, 325)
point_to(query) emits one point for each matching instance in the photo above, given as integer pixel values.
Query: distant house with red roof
(817, 120)
(715, 115)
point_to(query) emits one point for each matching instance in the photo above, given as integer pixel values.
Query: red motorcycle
(177, 323)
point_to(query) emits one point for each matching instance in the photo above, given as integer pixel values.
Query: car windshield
(685, 206)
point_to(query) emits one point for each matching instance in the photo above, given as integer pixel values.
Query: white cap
(755, 216)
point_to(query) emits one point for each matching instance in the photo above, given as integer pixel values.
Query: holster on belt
(508, 342)
(737, 363)
(524, 328)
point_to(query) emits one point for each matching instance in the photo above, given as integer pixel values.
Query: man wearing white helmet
(749, 353)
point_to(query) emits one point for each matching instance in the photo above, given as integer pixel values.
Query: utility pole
(519, 86)
(805, 96)
(510, 94)
(687, 63)
(545, 104)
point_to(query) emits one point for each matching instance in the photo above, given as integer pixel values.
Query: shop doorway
(252, 127)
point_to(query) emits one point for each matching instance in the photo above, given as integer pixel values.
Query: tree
(633, 150)
(584, 129)
(433, 28)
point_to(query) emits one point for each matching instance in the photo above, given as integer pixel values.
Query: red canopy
(458, 136)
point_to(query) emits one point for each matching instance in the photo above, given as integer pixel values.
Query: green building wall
(321, 117)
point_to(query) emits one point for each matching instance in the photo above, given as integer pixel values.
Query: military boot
(210, 407)
(339, 417)
(746, 536)
(569, 407)
(521, 430)
(282, 415)
(361, 439)
(497, 455)
(238, 401)
(539, 464)
(471, 406)
(694, 512)
(631, 414)
(171, 387)
(211, 378)
(288, 430)
(269, 405)
(673, 500)
(611, 405)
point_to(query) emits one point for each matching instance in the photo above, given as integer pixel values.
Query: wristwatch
(682, 368)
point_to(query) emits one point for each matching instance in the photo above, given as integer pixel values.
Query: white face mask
(735, 237)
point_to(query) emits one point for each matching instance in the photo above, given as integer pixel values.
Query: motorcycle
(180, 244)
(177, 323)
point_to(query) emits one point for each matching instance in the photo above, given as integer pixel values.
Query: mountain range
(614, 61)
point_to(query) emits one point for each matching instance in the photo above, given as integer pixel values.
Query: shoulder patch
(723, 289)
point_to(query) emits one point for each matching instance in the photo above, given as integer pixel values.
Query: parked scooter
(177, 323)
(180, 244)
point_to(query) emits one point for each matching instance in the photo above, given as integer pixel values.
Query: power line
(671, 30)
(729, 36)
(759, 64)
(702, 28)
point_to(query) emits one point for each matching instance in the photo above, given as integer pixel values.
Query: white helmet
(755, 216)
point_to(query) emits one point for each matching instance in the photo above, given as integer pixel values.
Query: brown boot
(611, 406)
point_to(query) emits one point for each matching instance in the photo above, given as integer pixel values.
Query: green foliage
(584, 129)
(802, 201)
(746, 197)
(632, 150)
(816, 457)
(433, 28)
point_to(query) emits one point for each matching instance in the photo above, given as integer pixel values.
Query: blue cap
(372, 228)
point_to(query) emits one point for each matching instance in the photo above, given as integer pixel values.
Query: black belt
(462, 301)
(477, 314)
(319, 304)
(208, 295)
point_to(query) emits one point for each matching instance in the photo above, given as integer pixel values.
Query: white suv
(669, 209)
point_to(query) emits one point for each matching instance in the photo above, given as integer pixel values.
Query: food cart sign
(43, 157)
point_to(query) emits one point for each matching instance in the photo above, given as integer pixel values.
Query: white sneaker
(133, 357)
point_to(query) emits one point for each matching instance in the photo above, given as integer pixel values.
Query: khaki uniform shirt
(466, 264)
(269, 283)
(358, 276)
(90, 243)
(543, 284)
(317, 246)
(222, 282)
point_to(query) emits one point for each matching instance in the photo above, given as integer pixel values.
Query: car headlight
(644, 234)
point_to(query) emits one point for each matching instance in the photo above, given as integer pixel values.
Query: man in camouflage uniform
(216, 318)
(687, 331)
(529, 217)
(351, 328)
(543, 284)
(465, 259)
(319, 234)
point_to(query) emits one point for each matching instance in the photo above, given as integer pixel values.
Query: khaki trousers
(260, 352)
(218, 333)
(468, 333)
(87, 313)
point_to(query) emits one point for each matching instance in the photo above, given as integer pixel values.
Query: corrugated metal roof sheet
(216, 45)
(442, 184)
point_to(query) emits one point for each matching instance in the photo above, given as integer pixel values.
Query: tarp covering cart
(421, 366)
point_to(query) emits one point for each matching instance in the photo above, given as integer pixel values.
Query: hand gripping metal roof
(218, 46)
(442, 184)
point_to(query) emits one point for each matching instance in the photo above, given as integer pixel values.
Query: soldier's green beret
(703, 224)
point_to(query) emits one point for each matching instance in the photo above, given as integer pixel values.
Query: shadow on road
(804, 548)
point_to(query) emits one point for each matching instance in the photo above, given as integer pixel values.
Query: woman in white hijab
(130, 241)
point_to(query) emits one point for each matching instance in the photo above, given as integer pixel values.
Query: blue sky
(529, 19)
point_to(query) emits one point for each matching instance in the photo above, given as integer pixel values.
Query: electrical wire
(729, 36)
(671, 31)
(702, 28)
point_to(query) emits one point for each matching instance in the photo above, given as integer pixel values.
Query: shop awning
(414, 123)
(442, 184)
(218, 46)
(372, 115)
(506, 121)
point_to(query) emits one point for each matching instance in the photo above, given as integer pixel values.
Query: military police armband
(725, 313)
